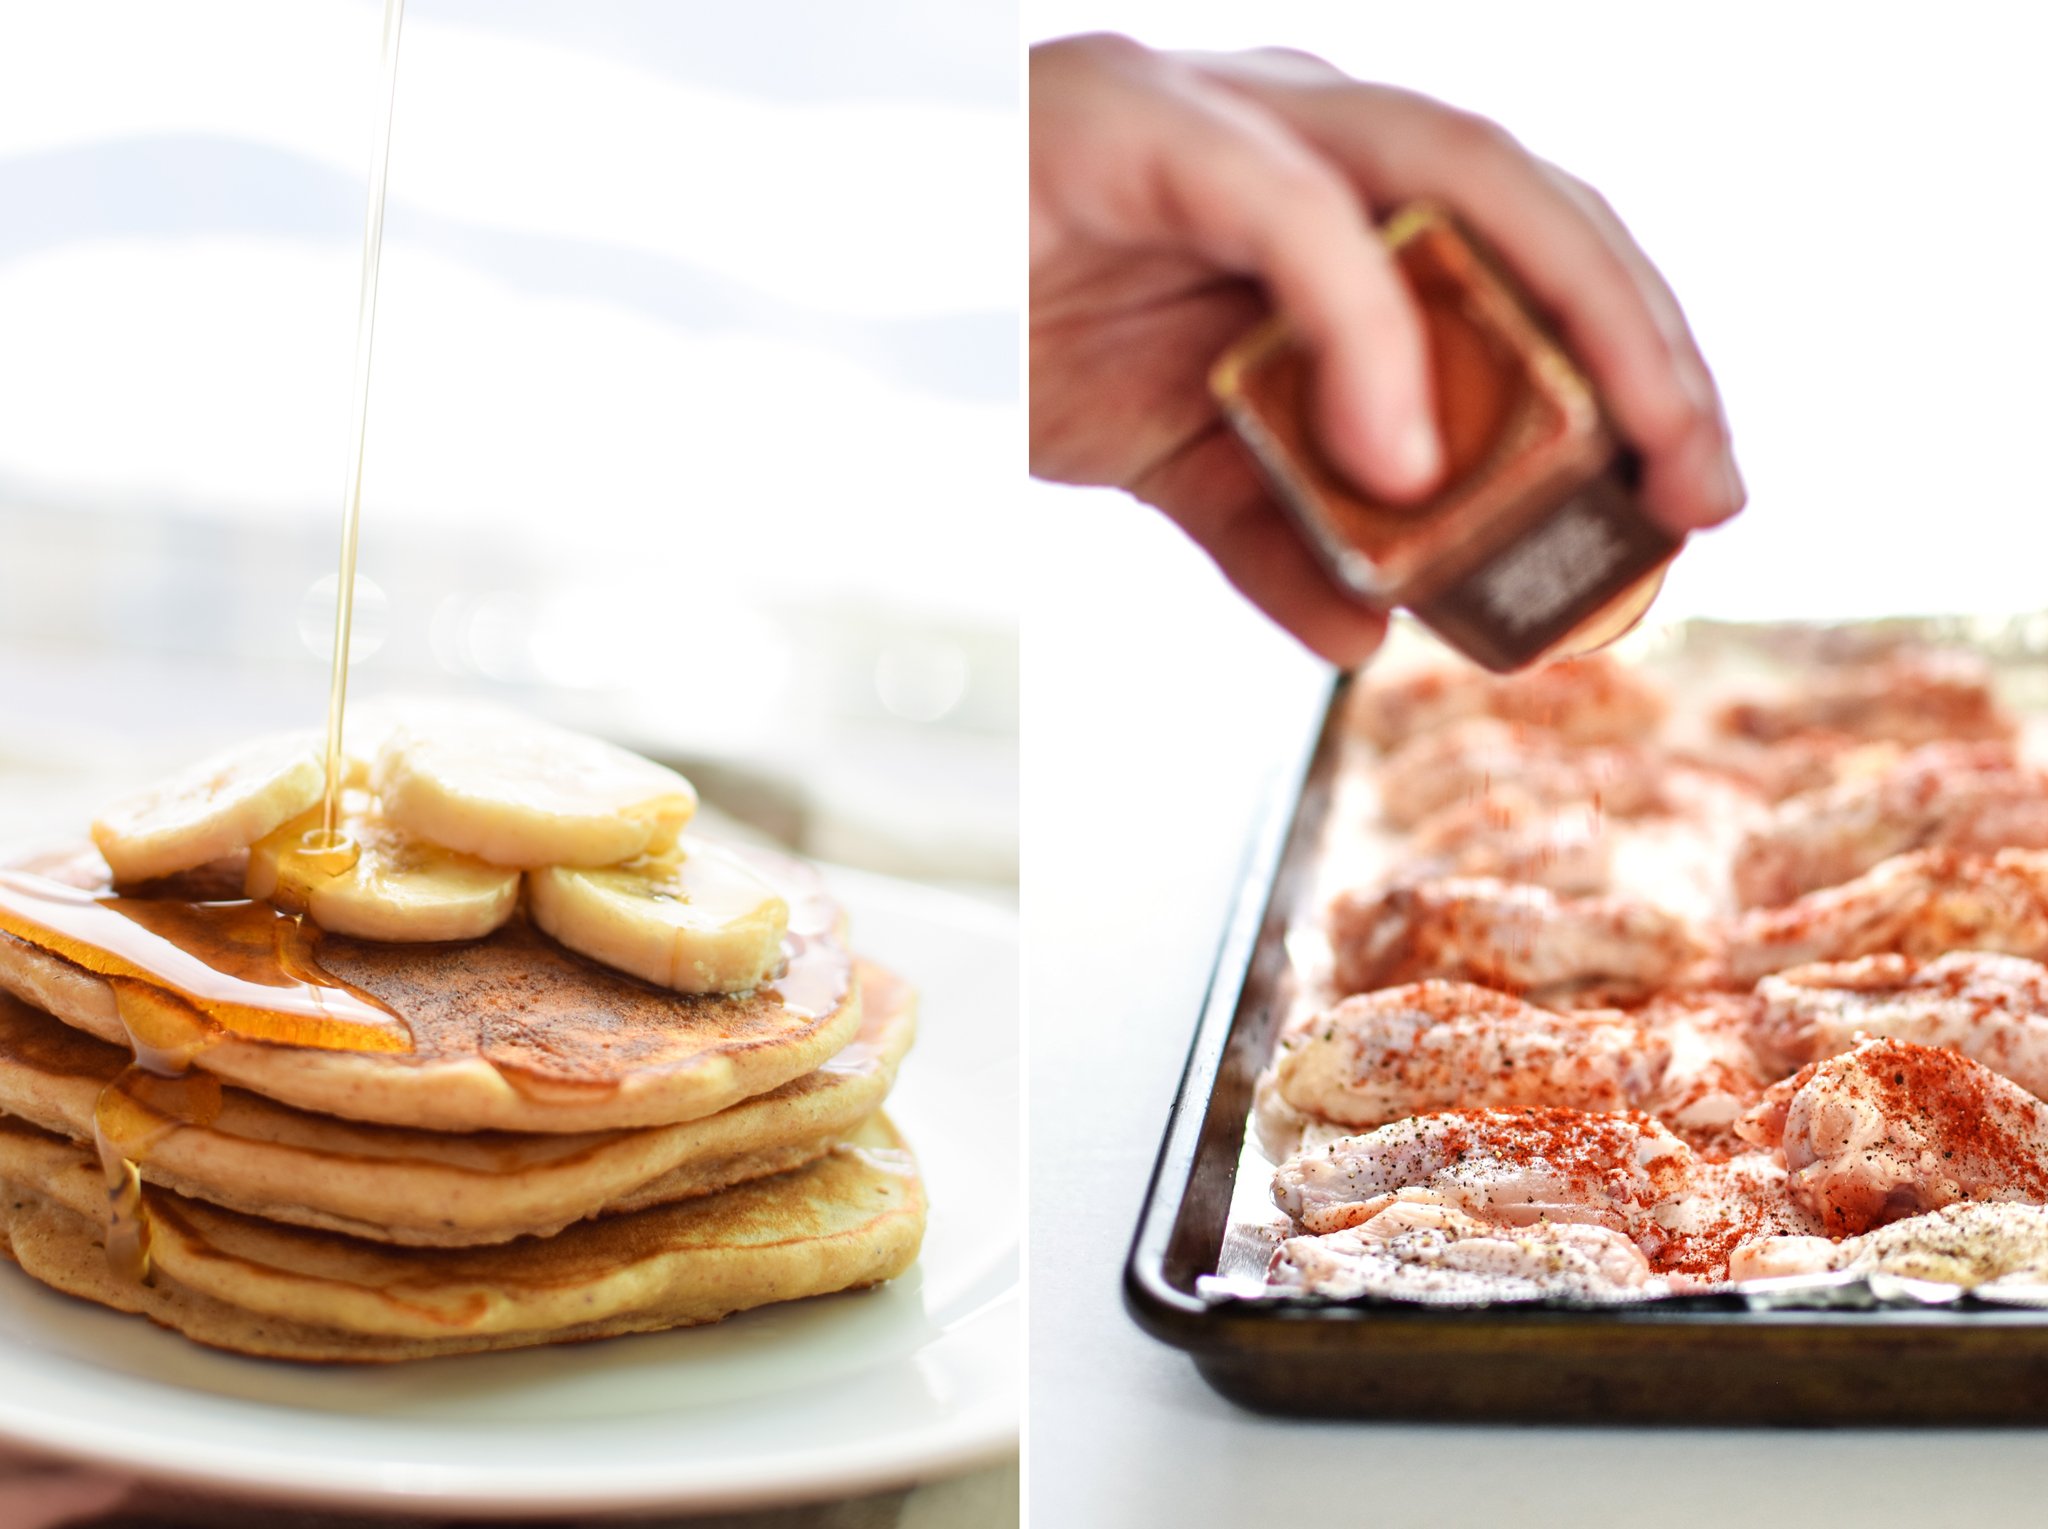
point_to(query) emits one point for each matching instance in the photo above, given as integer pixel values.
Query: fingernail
(1420, 459)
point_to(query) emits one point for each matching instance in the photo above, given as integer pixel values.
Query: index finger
(1145, 152)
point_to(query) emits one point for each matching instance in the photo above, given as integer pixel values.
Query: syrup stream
(352, 500)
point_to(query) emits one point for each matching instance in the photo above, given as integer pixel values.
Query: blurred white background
(695, 406)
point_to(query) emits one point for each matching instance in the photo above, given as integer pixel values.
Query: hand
(1174, 199)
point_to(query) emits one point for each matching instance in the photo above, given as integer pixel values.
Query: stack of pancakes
(564, 1152)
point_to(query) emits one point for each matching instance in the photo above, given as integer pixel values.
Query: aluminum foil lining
(1795, 1292)
(1241, 1289)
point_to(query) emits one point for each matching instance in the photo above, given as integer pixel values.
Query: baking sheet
(1810, 1348)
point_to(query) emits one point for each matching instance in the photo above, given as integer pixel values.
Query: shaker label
(1550, 570)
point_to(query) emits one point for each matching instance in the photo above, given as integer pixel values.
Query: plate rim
(264, 1475)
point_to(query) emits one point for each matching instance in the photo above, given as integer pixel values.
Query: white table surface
(1157, 710)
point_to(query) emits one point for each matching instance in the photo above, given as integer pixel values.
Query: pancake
(395, 1184)
(511, 1032)
(853, 1218)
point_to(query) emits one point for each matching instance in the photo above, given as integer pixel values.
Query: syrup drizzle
(146, 1101)
(815, 971)
(813, 978)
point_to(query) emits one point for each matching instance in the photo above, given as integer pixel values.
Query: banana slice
(399, 889)
(517, 792)
(697, 919)
(220, 805)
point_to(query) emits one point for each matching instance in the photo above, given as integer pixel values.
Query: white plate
(822, 1398)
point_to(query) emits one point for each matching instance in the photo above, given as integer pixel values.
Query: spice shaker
(1534, 547)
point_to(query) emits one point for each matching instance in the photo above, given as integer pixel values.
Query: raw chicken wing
(1989, 1007)
(1422, 1247)
(1443, 1045)
(1510, 1167)
(1970, 798)
(1791, 767)
(1968, 1243)
(1583, 700)
(1892, 1129)
(1516, 1169)
(1509, 834)
(1520, 939)
(1924, 905)
(1905, 697)
(1470, 759)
